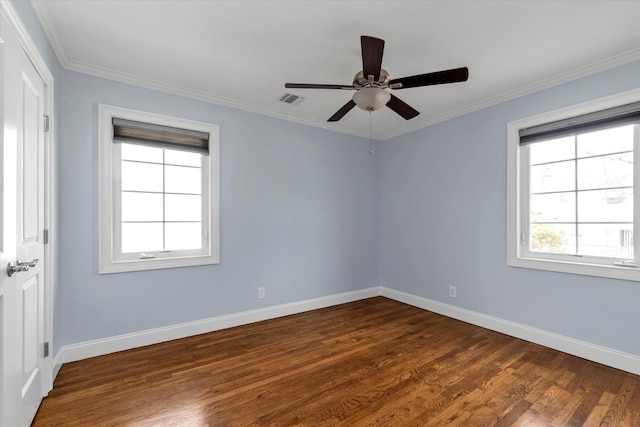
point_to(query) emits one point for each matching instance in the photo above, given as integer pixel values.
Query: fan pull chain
(370, 148)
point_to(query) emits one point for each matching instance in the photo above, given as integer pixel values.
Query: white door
(21, 292)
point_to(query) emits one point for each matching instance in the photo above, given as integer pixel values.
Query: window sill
(155, 264)
(605, 271)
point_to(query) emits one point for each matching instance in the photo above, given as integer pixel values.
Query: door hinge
(45, 236)
(46, 349)
(46, 123)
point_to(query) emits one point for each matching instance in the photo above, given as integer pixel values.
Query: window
(573, 182)
(158, 191)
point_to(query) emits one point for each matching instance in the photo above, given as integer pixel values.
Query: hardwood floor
(371, 362)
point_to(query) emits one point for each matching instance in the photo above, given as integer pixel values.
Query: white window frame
(517, 252)
(111, 260)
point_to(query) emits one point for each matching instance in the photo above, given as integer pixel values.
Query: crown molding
(612, 62)
(160, 86)
(51, 30)
(606, 64)
(43, 12)
(25, 40)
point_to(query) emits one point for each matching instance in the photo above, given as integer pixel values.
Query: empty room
(318, 213)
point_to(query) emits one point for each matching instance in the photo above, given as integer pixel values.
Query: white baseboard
(606, 356)
(85, 350)
(58, 360)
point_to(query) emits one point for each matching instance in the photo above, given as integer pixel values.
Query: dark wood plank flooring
(371, 362)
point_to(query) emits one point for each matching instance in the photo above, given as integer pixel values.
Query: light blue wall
(443, 222)
(308, 213)
(298, 216)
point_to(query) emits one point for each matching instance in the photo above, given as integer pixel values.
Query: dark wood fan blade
(399, 106)
(372, 49)
(439, 77)
(341, 112)
(315, 86)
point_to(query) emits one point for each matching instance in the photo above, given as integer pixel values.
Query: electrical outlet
(452, 291)
(262, 294)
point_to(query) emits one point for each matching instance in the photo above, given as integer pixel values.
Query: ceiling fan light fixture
(371, 98)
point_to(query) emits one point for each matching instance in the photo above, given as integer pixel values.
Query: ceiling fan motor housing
(360, 80)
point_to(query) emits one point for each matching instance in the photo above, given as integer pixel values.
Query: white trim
(110, 258)
(597, 67)
(51, 30)
(28, 44)
(49, 221)
(153, 336)
(596, 353)
(67, 63)
(172, 89)
(615, 61)
(58, 360)
(587, 107)
(514, 203)
(49, 161)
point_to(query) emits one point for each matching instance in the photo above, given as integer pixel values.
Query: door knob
(20, 266)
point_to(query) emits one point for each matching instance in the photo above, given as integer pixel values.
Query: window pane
(141, 206)
(552, 150)
(553, 177)
(557, 207)
(553, 238)
(180, 179)
(179, 207)
(615, 170)
(605, 206)
(180, 236)
(606, 141)
(141, 177)
(606, 240)
(141, 153)
(141, 237)
(183, 158)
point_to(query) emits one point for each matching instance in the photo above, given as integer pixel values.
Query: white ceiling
(240, 53)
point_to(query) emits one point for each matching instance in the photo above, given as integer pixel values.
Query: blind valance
(610, 117)
(160, 136)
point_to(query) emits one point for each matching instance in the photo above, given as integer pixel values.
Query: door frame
(42, 69)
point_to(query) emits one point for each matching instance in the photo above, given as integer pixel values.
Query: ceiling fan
(371, 83)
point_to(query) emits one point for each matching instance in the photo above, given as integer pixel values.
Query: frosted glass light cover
(371, 98)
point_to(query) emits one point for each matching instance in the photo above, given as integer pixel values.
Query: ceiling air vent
(291, 99)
